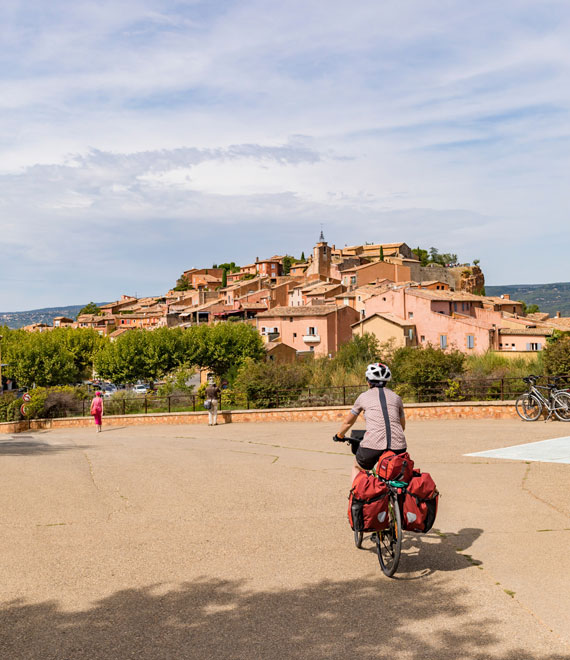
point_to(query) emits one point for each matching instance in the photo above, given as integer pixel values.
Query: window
(311, 331)
(294, 335)
(470, 341)
(345, 301)
(353, 279)
(443, 341)
(454, 307)
(312, 348)
(410, 315)
(359, 299)
(533, 346)
(290, 319)
(410, 334)
(423, 338)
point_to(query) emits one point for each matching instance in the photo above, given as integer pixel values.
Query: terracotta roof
(387, 316)
(497, 300)
(119, 331)
(449, 296)
(542, 332)
(539, 316)
(312, 310)
(270, 345)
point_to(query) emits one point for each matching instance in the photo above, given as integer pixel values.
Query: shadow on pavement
(24, 447)
(365, 618)
(434, 552)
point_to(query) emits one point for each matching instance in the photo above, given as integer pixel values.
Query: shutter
(539, 346)
(528, 347)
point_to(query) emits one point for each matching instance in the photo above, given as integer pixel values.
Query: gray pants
(213, 413)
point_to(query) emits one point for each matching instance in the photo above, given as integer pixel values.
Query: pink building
(321, 329)
(458, 320)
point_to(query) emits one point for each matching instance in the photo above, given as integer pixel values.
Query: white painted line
(556, 450)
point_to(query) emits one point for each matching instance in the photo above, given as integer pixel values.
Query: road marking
(556, 450)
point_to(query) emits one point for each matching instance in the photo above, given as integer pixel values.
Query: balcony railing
(311, 339)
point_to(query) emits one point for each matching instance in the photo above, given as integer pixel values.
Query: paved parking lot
(232, 542)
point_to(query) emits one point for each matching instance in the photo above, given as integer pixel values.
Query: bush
(557, 357)
(425, 368)
(10, 408)
(262, 382)
(123, 402)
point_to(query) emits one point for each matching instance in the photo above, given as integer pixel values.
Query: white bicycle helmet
(378, 373)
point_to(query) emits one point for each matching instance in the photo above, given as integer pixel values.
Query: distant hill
(46, 315)
(550, 298)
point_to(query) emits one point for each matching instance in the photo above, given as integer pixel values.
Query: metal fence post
(83, 408)
(193, 403)
(247, 400)
(502, 389)
(123, 406)
(169, 397)
(344, 395)
(145, 405)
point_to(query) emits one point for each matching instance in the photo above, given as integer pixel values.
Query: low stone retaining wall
(463, 410)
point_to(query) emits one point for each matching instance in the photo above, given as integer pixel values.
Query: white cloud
(439, 123)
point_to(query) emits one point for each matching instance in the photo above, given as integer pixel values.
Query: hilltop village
(314, 305)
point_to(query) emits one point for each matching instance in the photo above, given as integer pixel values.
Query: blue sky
(140, 138)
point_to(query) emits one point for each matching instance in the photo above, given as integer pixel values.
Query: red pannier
(419, 507)
(368, 504)
(395, 467)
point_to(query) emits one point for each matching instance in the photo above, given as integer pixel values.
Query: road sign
(26, 397)
(23, 409)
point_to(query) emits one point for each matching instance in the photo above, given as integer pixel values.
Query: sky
(144, 137)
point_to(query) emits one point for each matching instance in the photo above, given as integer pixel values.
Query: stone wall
(464, 410)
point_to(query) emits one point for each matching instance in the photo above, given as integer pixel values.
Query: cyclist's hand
(337, 438)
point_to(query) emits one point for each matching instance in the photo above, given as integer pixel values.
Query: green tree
(381, 253)
(223, 346)
(182, 284)
(287, 263)
(556, 357)
(422, 255)
(83, 344)
(529, 309)
(142, 355)
(224, 278)
(90, 308)
(41, 359)
(303, 257)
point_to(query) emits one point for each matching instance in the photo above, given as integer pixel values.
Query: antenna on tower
(322, 236)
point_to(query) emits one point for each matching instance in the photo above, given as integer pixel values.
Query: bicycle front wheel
(389, 542)
(562, 406)
(528, 407)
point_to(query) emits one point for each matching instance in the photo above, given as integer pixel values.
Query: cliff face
(470, 279)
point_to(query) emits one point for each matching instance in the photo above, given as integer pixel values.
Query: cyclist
(380, 405)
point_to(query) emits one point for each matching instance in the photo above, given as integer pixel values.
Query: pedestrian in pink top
(97, 410)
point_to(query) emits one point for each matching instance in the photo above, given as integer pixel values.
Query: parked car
(141, 388)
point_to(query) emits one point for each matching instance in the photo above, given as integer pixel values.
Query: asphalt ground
(233, 542)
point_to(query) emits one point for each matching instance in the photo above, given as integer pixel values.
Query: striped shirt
(375, 436)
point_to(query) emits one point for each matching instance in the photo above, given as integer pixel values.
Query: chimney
(506, 296)
(557, 315)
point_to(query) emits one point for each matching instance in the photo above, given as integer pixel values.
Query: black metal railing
(124, 402)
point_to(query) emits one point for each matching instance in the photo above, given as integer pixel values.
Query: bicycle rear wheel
(562, 406)
(389, 542)
(358, 536)
(528, 407)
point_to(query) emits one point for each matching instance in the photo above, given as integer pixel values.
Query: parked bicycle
(549, 397)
